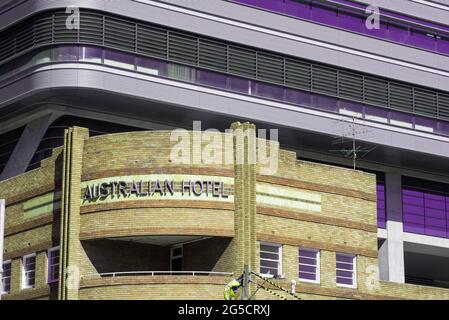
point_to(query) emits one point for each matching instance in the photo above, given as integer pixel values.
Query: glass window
(6, 278)
(119, 59)
(309, 265)
(65, 53)
(29, 271)
(43, 56)
(91, 54)
(53, 265)
(180, 72)
(151, 66)
(271, 259)
(346, 270)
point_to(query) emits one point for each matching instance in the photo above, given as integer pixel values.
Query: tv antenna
(350, 133)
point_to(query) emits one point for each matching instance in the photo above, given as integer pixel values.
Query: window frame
(172, 257)
(280, 251)
(49, 265)
(318, 265)
(2, 291)
(354, 270)
(24, 272)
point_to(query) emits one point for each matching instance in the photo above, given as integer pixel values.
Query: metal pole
(245, 283)
(2, 229)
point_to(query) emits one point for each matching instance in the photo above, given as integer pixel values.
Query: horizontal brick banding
(32, 194)
(131, 204)
(317, 187)
(31, 249)
(346, 293)
(157, 279)
(316, 244)
(35, 293)
(38, 222)
(304, 216)
(156, 231)
(159, 170)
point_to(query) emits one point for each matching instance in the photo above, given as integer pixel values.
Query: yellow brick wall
(346, 196)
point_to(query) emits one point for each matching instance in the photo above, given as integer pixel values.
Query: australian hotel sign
(157, 187)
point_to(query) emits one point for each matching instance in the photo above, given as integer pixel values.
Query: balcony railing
(153, 273)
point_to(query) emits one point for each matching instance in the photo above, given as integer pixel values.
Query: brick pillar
(16, 275)
(41, 269)
(245, 196)
(70, 212)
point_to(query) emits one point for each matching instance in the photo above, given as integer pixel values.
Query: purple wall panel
(277, 6)
(324, 15)
(422, 40)
(381, 216)
(351, 22)
(297, 9)
(425, 212)
(338, 17)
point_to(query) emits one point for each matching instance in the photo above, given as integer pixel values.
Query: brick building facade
(126, 247)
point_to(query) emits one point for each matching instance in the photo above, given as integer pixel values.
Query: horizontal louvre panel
(119, 34)
(324, 79)
(297, 73)
(157, 41)
(7, 44)
(376, 91)
(152, 41)
(91, 28)
(183, 48)
(401, 97)
(61, 32)
(43, 30)
(425, 102)
(443, 106)
(270, 67)
(242, 61)
(350, 85)
(213, 54)
(25, 36)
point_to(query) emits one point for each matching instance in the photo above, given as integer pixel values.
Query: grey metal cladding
(212, 55)
(376, 91)
(191, 49)
(43, 28)
(443, 104)
(242, 61)
(119, 33)
(270, 67)
(324, 79)
(401, 97)
(7, 45)
(24, 36)
(152, 41)
(350, 85)
(60, 31)
(91, 28)
(424, 103)
(298, 73)
(183, 48)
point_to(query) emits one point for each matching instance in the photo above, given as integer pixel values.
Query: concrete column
(27, 145)
(391, 255)
(2, 235)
